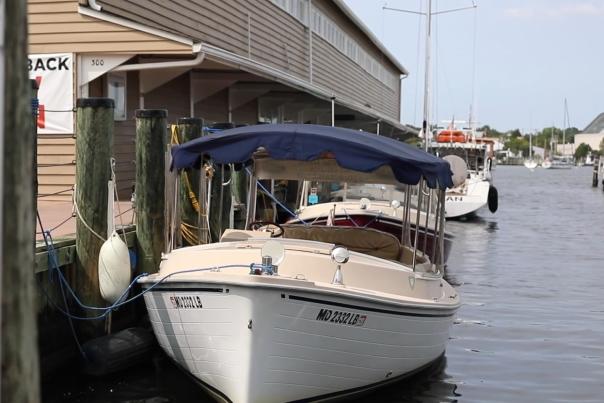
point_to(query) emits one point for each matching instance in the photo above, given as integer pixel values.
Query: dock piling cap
(151, 113)
(95, 102)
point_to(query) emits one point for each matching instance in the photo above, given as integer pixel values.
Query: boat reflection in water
(287, 312)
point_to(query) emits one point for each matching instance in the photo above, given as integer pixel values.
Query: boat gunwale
(321, 288)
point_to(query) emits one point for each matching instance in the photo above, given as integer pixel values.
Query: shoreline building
(592, 135)
(226, 61)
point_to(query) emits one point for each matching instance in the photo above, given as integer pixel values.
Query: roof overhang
(264, 70)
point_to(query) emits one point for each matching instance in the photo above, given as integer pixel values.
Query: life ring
(451, 136)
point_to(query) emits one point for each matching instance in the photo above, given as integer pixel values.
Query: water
(531, 328)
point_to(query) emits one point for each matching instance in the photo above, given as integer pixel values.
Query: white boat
(589, 160)
(295, 312)
(560, 161)
(377, 206)
(530, 163)
(474, 190)
(546, 164)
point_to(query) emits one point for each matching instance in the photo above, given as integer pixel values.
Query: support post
(220, 201)
(94, 143)
(189, 129)
(594, 180)
(151, 135)
(18, 333)
(333, 111)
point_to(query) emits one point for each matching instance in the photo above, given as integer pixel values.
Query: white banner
(54, 74)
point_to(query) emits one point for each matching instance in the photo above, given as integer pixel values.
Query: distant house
(593, 134)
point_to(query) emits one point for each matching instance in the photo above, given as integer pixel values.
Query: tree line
(517, 142)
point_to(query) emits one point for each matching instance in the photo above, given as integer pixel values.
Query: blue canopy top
(354, 150)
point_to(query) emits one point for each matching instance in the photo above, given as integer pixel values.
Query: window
(116, 89)
(296, 8)
(331, 32)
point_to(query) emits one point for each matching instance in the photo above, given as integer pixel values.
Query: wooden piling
(151, 135)
(94, 144)
(594, 179)
(19, 335)
(189, 129)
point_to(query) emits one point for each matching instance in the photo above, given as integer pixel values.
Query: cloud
(561, 10)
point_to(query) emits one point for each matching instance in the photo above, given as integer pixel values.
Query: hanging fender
(114, 268)
(493, 199)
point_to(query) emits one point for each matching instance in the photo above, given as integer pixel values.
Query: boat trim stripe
(178, 289)
(369, 309)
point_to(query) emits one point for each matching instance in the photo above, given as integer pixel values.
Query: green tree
(582, 151)
(517, 145)
(602, 147)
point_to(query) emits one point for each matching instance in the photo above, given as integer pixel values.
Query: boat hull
(474, 197)
(255, 344)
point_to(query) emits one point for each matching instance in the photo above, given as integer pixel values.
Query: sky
(515, 61)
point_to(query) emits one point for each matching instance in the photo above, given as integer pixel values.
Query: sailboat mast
(426, 120)
(564, 128)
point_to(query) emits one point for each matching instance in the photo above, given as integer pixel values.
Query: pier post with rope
(151, 140)
(94, 144)
(190, 215)
(19, 330)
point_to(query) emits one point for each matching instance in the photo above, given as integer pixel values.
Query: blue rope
(122, 300)
(35, 104)
(52, 255)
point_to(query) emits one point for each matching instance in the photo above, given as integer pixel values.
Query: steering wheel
(267, 226)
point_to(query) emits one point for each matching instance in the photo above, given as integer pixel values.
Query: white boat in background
(377, 206)
(561, 161)
(470, 155)
(558, 162)
(589, 160)
(546, 164)
(303, 313)
(530, 163)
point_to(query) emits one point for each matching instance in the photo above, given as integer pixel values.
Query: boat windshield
(474, 156)
(330, 192)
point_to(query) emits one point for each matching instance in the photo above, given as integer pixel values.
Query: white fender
(459, 169)
(114, 268)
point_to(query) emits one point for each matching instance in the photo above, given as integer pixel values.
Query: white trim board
(134, 25)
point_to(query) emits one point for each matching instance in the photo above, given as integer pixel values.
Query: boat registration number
(341, 317)
(186, 302)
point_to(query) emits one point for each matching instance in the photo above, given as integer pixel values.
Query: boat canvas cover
(352, 149)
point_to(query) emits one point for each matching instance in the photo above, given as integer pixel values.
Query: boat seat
(363, 240)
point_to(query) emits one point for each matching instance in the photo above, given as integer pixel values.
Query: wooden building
(238, 61)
